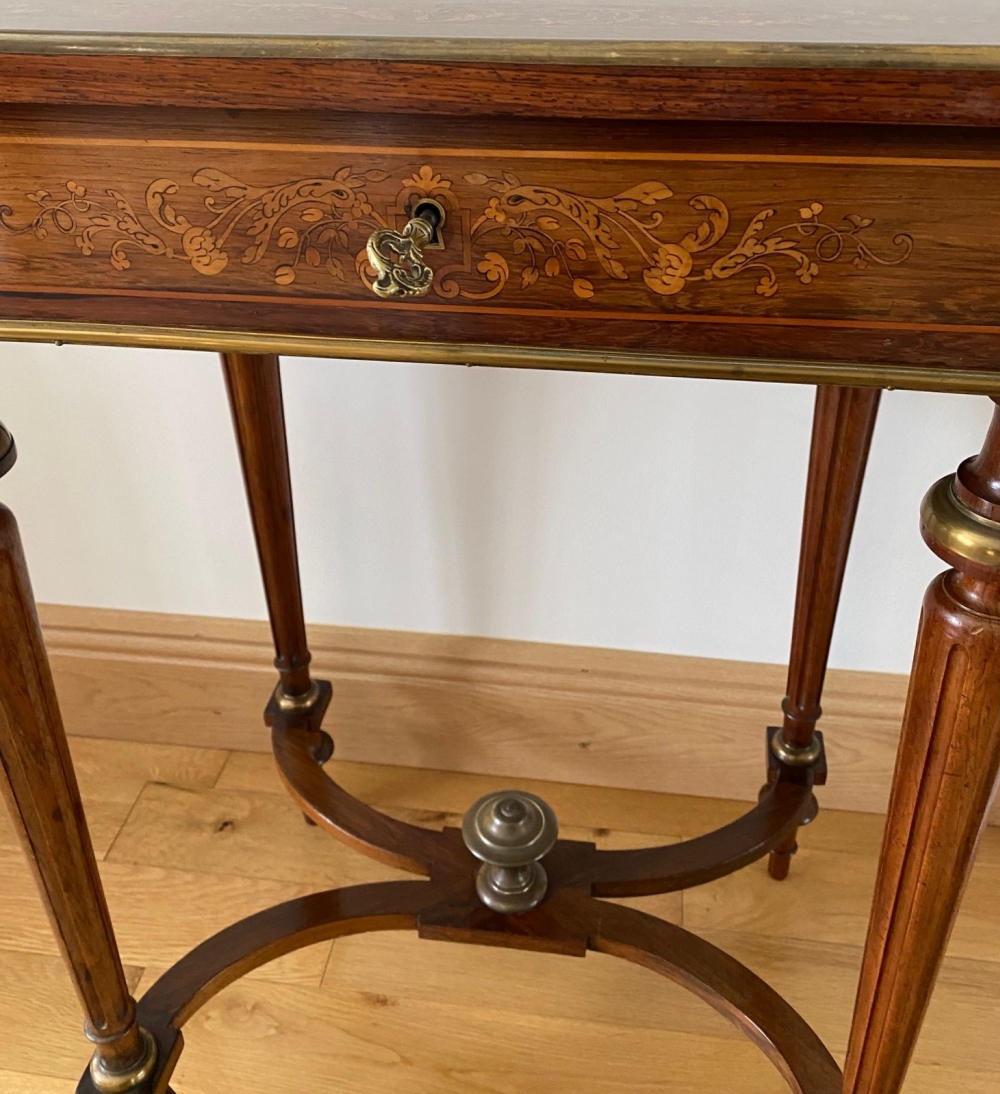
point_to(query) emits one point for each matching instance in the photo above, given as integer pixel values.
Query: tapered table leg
(38, 783)
(946, 774)
(254, 385)
(843, 422)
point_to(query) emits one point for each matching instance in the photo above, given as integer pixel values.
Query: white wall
(654, 514)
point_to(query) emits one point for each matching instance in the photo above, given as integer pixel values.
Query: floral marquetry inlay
(501, 234)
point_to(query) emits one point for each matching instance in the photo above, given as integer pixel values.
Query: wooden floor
(191, 839)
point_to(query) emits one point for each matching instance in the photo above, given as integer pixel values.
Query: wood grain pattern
(947, 769)
(529, 232)
(39, 787)
(757, 1010)
(572, 867)
(42, 1023)
(253, 382)
(610, 717)
(159, 913)
(830, 905)
(665, 238)
(581, 248)
(843, 423)
(396, 1012)
(697, 92)
(947, 774)
(566, 919)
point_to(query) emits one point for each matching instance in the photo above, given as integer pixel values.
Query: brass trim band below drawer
(503, 356)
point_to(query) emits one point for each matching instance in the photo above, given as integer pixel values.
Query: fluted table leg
(254, 385)
(946, 774)
(38, 783)
(843, 422)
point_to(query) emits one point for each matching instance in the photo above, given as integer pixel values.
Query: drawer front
(834, 256)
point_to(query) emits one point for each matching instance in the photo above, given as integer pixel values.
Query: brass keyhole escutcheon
(398, 257)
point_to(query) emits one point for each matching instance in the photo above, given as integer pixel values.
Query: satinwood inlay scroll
(556, 232)
(513, 233)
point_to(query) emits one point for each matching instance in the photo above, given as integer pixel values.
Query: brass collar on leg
(957, 534)
(304, 701)
(796, 755)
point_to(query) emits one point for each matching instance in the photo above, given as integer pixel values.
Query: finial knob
(509, 831)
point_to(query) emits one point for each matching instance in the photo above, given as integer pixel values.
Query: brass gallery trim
(494, 356)
(522, 51)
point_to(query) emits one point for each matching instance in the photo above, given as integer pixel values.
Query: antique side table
(812, 214)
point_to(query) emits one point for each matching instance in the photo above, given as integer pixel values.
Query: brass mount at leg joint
(303, 713)
(118, 1082)
(303, 701)
(796, 755)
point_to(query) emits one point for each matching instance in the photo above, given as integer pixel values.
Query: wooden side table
(826, 215)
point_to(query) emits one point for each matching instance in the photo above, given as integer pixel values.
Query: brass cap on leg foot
(117, 1082)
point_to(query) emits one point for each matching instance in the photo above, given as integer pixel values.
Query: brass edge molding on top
(959, 381)
(657, 54)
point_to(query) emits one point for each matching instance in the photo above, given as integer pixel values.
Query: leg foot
(779, 861)
(811, 757)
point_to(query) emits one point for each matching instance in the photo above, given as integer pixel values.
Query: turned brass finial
(509, 832)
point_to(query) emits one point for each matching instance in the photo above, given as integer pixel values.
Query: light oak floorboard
(253, 834)
(40, 1016)
(158, 914)
(204, 839)
(412, 1046)
(643, 812)
(388, 787)
(827, 898)
(111, 775)
(104, 819)
(17, 1082)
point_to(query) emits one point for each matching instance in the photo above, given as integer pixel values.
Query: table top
(769, 31)
(778, 190)
(931, 22)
